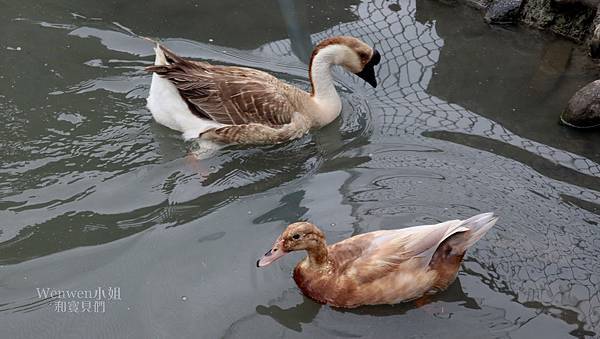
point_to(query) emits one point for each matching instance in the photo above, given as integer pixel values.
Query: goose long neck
(320, 75)
(324, 97)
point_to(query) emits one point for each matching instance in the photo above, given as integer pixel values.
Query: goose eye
(296, 236)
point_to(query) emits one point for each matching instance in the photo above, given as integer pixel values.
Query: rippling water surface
(94, 194)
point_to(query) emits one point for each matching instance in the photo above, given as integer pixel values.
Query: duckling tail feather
(478, 226)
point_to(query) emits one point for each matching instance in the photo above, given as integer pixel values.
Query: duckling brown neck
(317, 255)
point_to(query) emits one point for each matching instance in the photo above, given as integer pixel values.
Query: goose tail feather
(160, 59)
(164, 57)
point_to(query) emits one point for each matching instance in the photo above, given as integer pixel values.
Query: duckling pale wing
(225, 94)
(411, 249)
(394, 250)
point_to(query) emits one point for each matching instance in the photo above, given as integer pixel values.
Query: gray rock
(595, 39)
(587, 3)
(503, 11)
(595, 44)
(583, 109)
(570, 20)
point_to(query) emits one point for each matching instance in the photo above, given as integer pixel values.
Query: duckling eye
(296, 236)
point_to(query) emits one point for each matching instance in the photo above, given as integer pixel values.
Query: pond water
(97, 196)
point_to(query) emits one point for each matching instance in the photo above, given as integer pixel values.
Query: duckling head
(351, 53)
(296, 237)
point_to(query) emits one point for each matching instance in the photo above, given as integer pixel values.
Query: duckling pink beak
(273, 254)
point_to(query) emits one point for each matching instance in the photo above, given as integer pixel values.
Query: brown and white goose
(228, 104)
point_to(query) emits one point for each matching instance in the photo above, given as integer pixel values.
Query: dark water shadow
(292, 317)
(306, 311)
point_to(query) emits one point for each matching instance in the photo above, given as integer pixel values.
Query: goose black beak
(368, 72)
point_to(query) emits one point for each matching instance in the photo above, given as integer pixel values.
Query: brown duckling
(381, 267)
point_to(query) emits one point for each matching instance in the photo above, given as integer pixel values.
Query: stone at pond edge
(595, 48)
(583, 109)
(503, 11)
(595, 41)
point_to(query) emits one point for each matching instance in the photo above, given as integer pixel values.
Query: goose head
(351, 53)
(296, 237)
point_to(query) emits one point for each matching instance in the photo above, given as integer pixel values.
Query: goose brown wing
(226, 94)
